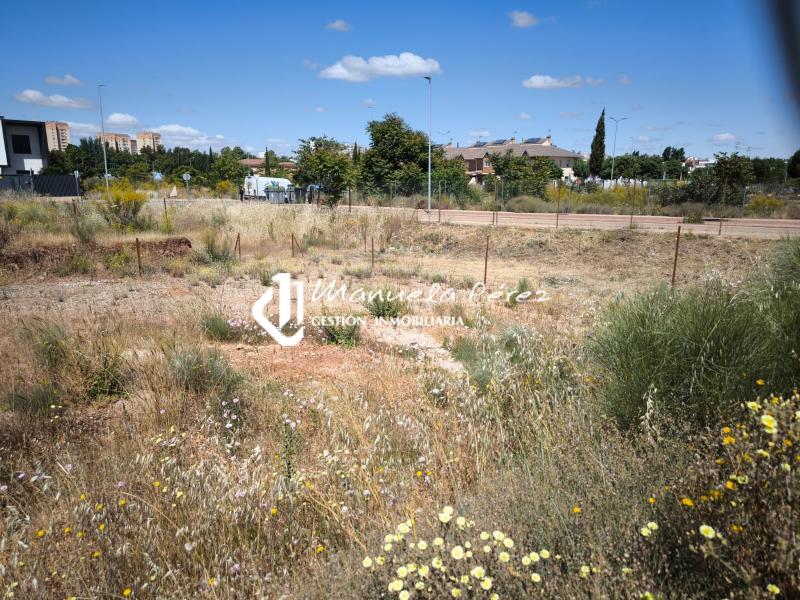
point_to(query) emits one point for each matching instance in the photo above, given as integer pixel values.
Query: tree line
(206, 168)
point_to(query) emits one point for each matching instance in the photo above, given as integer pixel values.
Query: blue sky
(703, 75)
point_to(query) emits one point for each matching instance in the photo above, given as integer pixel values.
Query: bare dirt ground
(576, 271)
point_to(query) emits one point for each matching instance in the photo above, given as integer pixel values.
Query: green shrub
(211, 276)
(75, 263)
(36, 400)
(692, 354)
(342, 333)
(86, 366)
(217, 327)
(357, 272)
(523, 286)
(85, 226)
(203, 370)
(121, 208)
(218, 247)
(763, 205)
(385, 302)
(121, 263)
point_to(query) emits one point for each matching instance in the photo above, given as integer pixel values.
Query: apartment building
(121, 142)
(148, 139)
(57, 135)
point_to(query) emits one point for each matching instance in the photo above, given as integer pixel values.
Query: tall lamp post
(430, 120)
(103, 137)
(614, 151)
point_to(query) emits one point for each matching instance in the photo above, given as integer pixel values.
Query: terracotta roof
(252, 162)
(517, 149)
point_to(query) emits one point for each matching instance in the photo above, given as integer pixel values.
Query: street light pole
(614, 151)
(103, 138)
(430, 121)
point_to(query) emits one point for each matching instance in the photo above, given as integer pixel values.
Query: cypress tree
(266, 161)
(598, 153)
(356, 153)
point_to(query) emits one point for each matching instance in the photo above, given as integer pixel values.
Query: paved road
(766, 228)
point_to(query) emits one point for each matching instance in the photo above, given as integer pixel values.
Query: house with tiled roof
(477, 157)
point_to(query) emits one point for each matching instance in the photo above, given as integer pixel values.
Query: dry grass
(234, 469)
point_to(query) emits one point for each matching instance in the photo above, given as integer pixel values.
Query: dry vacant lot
(156, 444)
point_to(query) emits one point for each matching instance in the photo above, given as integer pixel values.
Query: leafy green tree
(323, 161)
(523, 175)
(673, 153)
(394, 148)
(793, 167)
(732, 172)
(227, 167)
(580, 168)
(769, 170)
(598, 153)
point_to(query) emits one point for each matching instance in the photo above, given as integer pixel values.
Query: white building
(23, 148)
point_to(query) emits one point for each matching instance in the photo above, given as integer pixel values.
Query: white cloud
(82, 130)
(657, 128)
(569, 115)
(522, 18)
(310, 64)
(523, 116)
(122, 120)
(624, 80)
(368, 102)
(54, 101)
(357, 70)
(189, 137)
(643, 138)
(65, 80)
(723, 137)
(338, 25)
(546, 82)
(593, 81)
(479, 133)
(320, 109)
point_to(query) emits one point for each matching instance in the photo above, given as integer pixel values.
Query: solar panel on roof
(533, 140)
(479, 144)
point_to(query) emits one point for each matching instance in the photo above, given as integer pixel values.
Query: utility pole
(430, 120)
(614, 151)
(103, 139)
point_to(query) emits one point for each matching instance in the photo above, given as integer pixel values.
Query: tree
(733, 172)
(266, 161)
(598, 152)
(227, 167)
(394, 148)
(769, 170)
(356, 153)
(523, 175)
(580, 169)
(793, 167)
(672, 153)
(323, 161)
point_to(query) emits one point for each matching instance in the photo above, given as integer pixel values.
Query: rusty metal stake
(675, 260)
(139, 256)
